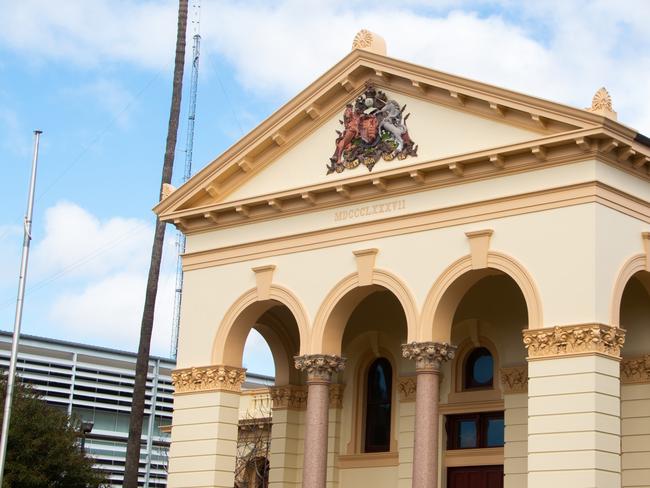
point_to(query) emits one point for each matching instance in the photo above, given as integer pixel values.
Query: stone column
(574, 407)
(428, 357)
(204, 427)
(319, 368)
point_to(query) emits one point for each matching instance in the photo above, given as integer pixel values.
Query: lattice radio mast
(189, 146)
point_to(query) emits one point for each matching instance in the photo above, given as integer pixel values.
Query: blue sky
(95, 76)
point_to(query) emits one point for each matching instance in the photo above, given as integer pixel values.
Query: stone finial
(319, 367)
(369, 41)
(602, 104)
(167, 190)
(428, 355)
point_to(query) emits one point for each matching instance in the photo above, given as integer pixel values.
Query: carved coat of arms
(374, 128)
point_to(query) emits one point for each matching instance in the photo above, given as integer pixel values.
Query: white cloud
(79, 244)
(90, 278)
(554, 49)
(108, 312)
(92, 33)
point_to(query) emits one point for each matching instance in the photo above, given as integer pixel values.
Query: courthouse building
(453, 279)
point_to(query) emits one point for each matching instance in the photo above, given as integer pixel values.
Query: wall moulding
(571, 340)
(635, 370)
(208, 378)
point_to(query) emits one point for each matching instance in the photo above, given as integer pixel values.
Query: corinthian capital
(428, 355)
(574, 339)
(207, 378)
(319, 367)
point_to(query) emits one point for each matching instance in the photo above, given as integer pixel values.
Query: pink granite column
(319, 368)
(428, 356)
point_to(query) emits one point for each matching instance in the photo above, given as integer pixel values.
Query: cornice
(541, 200)
(572, 340)
(208, 378)
(600, 143)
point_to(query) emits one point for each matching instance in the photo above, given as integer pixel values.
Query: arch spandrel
(448, 290)
(244, 314)
(336, 308)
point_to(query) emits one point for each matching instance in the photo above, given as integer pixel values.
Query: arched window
(378, 406)
(479, 369)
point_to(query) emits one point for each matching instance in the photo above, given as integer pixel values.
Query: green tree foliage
(44, 449)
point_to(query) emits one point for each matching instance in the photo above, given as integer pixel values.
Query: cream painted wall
(555, 246)
(439, 132)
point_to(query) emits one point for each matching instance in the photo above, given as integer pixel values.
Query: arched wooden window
(479, 369)
(378, 406)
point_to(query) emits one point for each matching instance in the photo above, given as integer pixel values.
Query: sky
(95, 76)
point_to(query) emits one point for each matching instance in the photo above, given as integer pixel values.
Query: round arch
(244, 314)
(636, 264)
(339, 303)
(448, 290)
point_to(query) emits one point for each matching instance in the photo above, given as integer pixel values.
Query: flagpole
(27, 237)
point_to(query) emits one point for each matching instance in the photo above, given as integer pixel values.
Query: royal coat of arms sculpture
(374, 128)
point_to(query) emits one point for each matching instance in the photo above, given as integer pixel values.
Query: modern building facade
(453, 278)
(96, 385)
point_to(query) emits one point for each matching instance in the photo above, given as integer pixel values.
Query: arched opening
(280, 321)
(373, 333)
(635, 314)
(484, 313)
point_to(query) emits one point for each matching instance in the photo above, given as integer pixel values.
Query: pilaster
(574, 427)
(204, 426)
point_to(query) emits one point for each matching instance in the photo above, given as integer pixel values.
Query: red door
(475, 477)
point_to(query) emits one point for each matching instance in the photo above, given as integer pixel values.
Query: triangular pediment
(449, 117)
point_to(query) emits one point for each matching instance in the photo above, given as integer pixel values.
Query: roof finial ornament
(369, 41)
(602, 104)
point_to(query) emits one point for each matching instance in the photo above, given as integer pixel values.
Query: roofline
(352, 61)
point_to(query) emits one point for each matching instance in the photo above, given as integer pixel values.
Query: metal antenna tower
(189, 146)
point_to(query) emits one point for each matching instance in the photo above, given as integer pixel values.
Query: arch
(448, 290)
(340, 302)
(244, 314)
(636, 264)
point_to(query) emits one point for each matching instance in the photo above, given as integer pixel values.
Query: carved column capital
(636, 370)
(514, 380)
(407, 386)
(428, 355)
(289, 396)
(573, 340)
(208, 378)
(319, 367)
